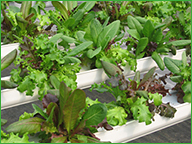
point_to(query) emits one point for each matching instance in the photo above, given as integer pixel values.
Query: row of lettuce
(98, 30)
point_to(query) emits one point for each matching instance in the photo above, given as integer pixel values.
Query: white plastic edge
(133, 129)
(12, 97)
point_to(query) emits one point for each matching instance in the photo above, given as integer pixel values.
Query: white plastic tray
(12, 97)
(133, 129)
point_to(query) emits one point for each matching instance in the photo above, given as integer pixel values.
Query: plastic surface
(11, 97)
(133, 129)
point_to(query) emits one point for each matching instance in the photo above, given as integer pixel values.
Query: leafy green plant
(181, 74)
(136, 98)
(157, 11)
(102, 38)
(40, 58)
(12, 138)
(70, 18)
(18, 22)
(148, 40)
(5, 62)
(65, 118)
(112, 11)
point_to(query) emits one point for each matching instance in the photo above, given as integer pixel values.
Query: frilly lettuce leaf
(156, 97)
(16, 139)
(141, 111)
(116, 116)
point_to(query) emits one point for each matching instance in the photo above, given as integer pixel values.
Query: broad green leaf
(8, 84)
(78, 17)
(148, 29)
(80, 36)
(156, 97)
(184, 59)
(74, 104)
(69, 22)
(95, 114)
(89, 17)
(14, 9)
(58, 5)
(69, 59)
(68, 39)
(182, 18)
(53, 92)
(137, 76)
(156, 57)
(177, 79)
(59, 139)
(108, 32)
(187, 98)
(172, 65)
(25, 8)
(70, 5)
(119, 37)
(106, 22)
(147, 76)
(55, 81)
(141, 19)
(134, 33)
(40, 111)
(31, 125)
(55, 38)
(180, 42)
(167, 22)
(162, 50)
(91, 53)
(142, 93)
(8, 59)
(89, 5)
(186, 87)
(133, 23)
(3, 122)
(95, 30)
(80, 48)
(110, 68)
(157, 36)
(141, 45)
(159, 26)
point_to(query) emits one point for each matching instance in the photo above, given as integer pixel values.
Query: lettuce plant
(40, 58)
(112, 11)
(65, 119)
(136, 98)
(70, 18)
(19, 22)
(148, 40)
(181, 75)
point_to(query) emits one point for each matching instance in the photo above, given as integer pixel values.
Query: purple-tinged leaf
(63, 96)
(59, 139)
(54, 114)
(48, 98)
(147, 76)
(31, 125)
(74, 104)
